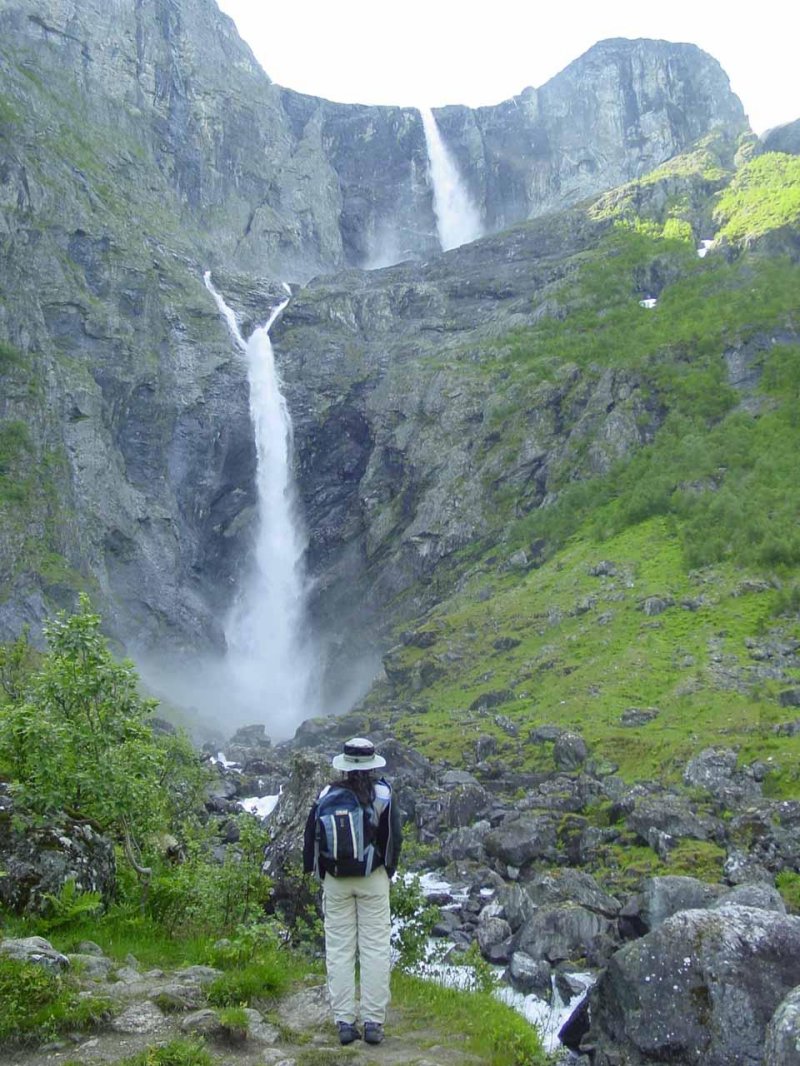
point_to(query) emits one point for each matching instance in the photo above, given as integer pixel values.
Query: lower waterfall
(269, 657)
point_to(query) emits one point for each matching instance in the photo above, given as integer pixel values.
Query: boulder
(669, 814)
(527, 975)
(466, 843)
(465, 803)
(571, 886)
(661, 897)
(516, 904)
(570, 751)
(491, 932)
(517, 842)
(759, 894)
(34, 949)
(782, 1044)
(38, 862)
(700, 989)
(567, 932)
(716, 770)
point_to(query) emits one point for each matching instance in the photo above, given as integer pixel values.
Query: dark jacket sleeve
(394, 837)
(309, 841)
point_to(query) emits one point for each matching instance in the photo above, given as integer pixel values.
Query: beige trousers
(357, 917)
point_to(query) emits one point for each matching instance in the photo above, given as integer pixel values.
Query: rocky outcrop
(703, 987)
(38, 861)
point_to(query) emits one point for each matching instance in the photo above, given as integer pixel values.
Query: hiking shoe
(373, 1032)
(347, 1032)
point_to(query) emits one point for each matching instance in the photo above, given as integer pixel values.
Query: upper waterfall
(269, 659)
(458, 220)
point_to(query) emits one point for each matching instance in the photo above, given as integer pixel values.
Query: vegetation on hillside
(662, 578)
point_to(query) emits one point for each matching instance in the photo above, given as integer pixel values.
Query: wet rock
(527, 975)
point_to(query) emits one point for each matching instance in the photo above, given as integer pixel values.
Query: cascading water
(458, 220)
(269, 659)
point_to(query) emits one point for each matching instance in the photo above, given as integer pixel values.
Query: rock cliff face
(140, 144)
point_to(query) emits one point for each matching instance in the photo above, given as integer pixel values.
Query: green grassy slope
(697, 618)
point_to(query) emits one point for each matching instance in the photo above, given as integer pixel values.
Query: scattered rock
(139, 1018)
(35, 949)
(655, 605)
(635, 716)
(570, 751)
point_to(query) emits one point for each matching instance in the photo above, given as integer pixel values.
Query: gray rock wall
(141, 144)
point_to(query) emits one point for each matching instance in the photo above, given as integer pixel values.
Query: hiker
(352, 842)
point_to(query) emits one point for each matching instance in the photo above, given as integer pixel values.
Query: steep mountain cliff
(140, 144)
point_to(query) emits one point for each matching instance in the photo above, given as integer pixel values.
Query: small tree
(78, 740)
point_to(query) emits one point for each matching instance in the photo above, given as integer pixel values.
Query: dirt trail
(298, 1032)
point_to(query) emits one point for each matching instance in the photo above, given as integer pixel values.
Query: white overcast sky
(436, 52)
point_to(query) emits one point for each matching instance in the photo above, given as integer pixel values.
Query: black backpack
(345, 833)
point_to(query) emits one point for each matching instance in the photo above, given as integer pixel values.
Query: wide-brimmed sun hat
(358, 754)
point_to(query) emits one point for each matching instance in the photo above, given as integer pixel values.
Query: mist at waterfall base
(269, 672)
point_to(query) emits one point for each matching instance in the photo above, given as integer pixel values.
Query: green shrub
(36, 1002)
(78, 739)
(414, 919)
(180, 1052)
(258, 981)
(788, 884)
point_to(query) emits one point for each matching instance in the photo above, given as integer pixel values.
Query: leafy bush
(36, 1002)
(78, 739)
(414, 918)
(203, 894)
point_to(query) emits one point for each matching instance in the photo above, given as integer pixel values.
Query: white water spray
(458, 219)
(268, 656)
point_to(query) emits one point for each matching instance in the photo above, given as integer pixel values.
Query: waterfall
(268, 657)
(458, 219)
